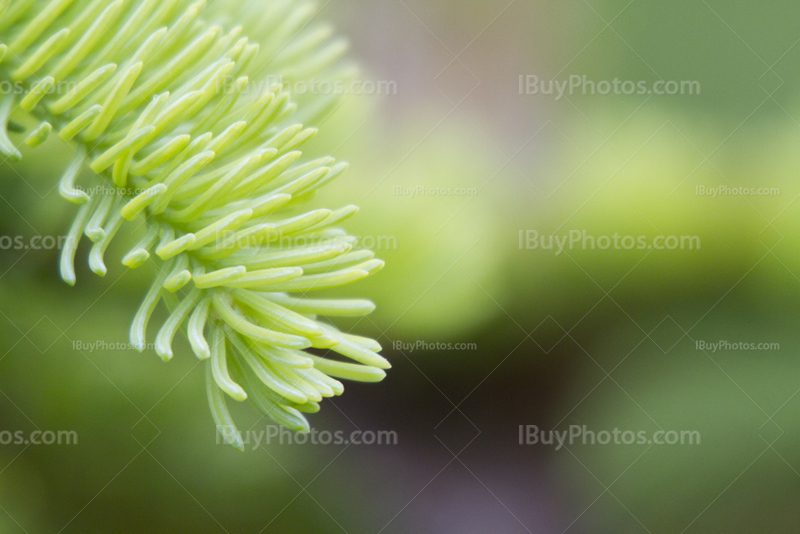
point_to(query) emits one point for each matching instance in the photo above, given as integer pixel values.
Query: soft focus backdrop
(457, 168)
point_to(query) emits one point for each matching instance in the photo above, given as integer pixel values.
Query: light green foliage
(176, 107)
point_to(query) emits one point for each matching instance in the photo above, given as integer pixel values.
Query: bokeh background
(608, 339)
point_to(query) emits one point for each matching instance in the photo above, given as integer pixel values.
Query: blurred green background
(603, 338)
